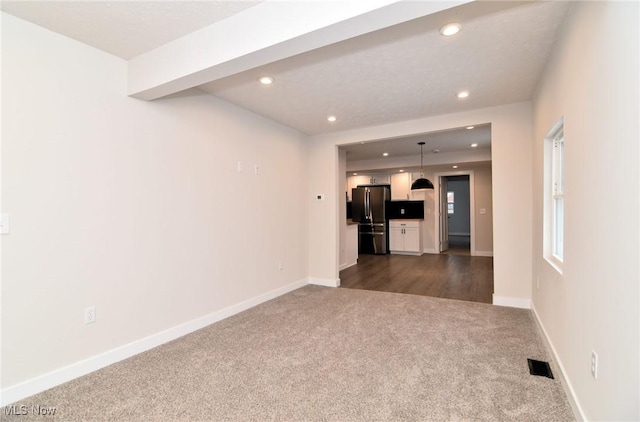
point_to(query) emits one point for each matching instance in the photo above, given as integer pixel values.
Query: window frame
(450, 204)
(554, 194)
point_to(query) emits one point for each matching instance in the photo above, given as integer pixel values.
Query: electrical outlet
(90, 315)
(280, 266)
(594, 365)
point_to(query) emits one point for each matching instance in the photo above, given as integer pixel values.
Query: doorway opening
(456, 222)
(458, 212)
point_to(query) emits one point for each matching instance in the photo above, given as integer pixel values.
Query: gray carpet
(326, 354)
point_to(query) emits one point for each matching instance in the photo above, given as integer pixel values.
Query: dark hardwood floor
(459, 245)
(448, 276)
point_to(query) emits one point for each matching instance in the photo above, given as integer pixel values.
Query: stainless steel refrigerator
(368, 207)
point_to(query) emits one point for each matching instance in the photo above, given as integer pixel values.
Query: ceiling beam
(270, 31)
(413, 162)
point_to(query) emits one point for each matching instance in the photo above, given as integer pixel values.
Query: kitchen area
(383, 216)
(394, 238)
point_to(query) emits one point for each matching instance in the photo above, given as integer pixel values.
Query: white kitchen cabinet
(379, 179)
(367, 179)
(400, 186)
(405, 237)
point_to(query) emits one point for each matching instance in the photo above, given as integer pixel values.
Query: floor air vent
(540, 368)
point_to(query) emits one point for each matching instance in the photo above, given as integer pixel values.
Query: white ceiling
(124, 28)
(403, 72)
(406, 71)
(447, 141)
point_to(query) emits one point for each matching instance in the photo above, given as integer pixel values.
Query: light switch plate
(4, 223)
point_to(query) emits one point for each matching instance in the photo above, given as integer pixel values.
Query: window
(554, 196)
(450, 201)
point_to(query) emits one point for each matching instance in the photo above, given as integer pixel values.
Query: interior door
(444, 215)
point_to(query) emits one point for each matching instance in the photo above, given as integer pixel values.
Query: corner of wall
(566, 385)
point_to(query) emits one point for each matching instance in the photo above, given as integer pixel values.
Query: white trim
(327, 282)
(554, 262)
(346, 265)
(59, 376)
(484, 253)
(566, 385)
(512, 302)
(472, 206)
(406, 253)
(430, 250)
(552, 172)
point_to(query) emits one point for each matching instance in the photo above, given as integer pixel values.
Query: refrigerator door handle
(367, 204)
(366, 208)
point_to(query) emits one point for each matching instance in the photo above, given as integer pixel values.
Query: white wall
(325, 219)
(511, 141)
(342, 207)
(135, 207)
(592, 80)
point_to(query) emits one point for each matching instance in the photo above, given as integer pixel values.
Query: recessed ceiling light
(435, 151)
(401, 171)
(265, 80)
(462, 94)
(455, 167)
(385, 154)
(474, 145)
(332, 118)
(470, 127)
(450, 29)
(355, 174)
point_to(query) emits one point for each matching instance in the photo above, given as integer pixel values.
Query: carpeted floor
(326, 354)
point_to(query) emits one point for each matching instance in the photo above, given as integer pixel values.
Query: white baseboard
(476, 253)
(347, 265)
(566, 385)
(43, 382)
(512, 302)
(327, 282)
(405, 253)
(483, 253)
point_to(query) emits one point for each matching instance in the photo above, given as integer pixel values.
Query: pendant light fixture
(421, 183)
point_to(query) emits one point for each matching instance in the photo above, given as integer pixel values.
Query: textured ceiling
(124, 28)
(403, 72)
(407, 71)
(454, 140)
